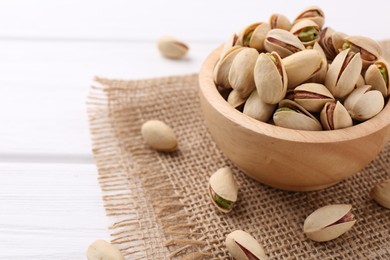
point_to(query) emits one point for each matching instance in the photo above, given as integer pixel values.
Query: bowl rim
(209, 91)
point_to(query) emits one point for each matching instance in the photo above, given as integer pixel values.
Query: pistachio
(102, 250)
(331, 42)
(222, 68)
(364, 103)
(307, 31)
(283, 42)
(258, 109)
(360, 82)
(279, 21)
(172, 48)
(377, 75)
(312, 96)
(313, 13)
(343, 73)
(381, 193)
(301, 66)
(236, 100)
(369, 49)
(329, 222)
(241, 72)
(223, 189)
(242, 246)
(270, 78)
(320, 75)
(335, 116)
(159, 136)
(229, 44)
(292, 115)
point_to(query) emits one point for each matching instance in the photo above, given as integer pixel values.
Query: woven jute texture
(158, 202)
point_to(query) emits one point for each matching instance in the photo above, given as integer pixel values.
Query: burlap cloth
(158, 202)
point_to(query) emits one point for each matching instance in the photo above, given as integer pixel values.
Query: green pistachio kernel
(384, 73)
(308, 34)
(247, 38)
(225, 204)
(272, 57)
(284, 109)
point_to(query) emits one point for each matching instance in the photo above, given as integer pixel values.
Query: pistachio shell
(223, 184)
(258, 109)
(292, 115)
(312, 96)
(335, 116)
(283, 42)
(241, 72)
(102, 250)
(270, 78)
(377, 75)
(329, 222)
(307, 31)
(236, 100)
(331, 42)
(258, 36)
(245, 35)
(301, 66)
(313, 13)
(242, 246)
(360, 82)
(280, 21)
(230, 43)
(363, 103)
(369, 49)
(172, 48)
(343, 73)
(381, 193)
(222, 68)
(159, 136)
(320, 75)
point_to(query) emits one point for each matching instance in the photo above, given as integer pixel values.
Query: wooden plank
(49, 211)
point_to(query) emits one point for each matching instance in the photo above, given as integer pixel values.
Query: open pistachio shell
(222, 68)
(230, 43)
(258, 36)
(377, 75)
(331, 42)
(283, 42)
(335, 116)
(245, 35)
(320, 75)
(223, 189)
(343, 73)
(172, 48)
(301, 66)
(241, 72)
(381, 193)
(364, 103)
(313, 13)
(329, 222)
(369, 49)
(280, 21)
(312, 96)
(292, 115)
(236, 100)
(307, 31)
(242, 246)
(270, 78)
(258, 109)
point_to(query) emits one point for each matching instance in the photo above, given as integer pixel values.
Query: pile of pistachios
(302, 75)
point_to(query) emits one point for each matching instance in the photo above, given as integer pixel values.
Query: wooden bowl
(288, 159)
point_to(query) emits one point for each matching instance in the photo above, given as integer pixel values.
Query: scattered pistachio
(102, 250)
(159, 136)
(242, 246)
(223, 189)
(172, 48)
(381, 193)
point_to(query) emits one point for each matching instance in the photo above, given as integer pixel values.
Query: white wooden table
(50, 201)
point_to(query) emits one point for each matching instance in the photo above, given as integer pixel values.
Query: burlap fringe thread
(143, 231)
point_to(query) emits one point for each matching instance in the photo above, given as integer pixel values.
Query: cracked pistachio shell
(172, 48)
(329, 222)
(159, 136)
(102, 250)
(294, 116)
(242, 246)
(280, 21)
(222, 68)
(313, 13)
(335, 116)
(223, 184)
(307, 31)
(270, 78)
(377, 75)
(364, 103)
(258, 109)
(312, 96)
(283, 42)
(343, 73)
(301, 66)
(254, 35)
(369, 49)
(331, 42)
(381, 193)
(241, 72)
(236, 100)
(230, 43)
(320, 75)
